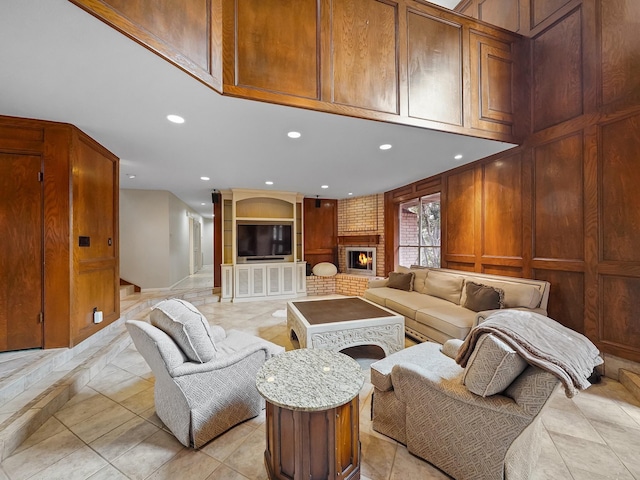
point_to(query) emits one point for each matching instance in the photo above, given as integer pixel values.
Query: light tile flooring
(110, 430)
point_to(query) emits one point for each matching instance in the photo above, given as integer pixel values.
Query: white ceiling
(59, 63)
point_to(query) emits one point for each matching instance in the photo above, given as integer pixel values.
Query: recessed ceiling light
(205, 178)
(175, 118)
(268, 182)
(458, 157)
(385, 146)
(350, 193)
(130, 175)
(294, 134)
(203, 203)
(324, 186)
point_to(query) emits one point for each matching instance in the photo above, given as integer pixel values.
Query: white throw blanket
(542, 342)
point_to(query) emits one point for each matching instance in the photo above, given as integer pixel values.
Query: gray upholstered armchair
(421, 400)
(473, 408)
(204, 376)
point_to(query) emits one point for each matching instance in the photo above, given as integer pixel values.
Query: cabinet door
(274, 280)
(258, 280)
(288, 279)
(227, 281)
(243, 281)
(301, 277)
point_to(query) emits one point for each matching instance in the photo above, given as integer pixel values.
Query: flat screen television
(264, 241)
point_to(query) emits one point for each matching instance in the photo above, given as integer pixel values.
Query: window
(419, 234)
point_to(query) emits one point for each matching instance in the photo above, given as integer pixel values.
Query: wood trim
(358, 239)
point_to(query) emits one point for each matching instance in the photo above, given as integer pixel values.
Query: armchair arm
(218, 363)
(411, 382)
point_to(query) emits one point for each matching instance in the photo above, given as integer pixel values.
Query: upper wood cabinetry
(70, 262)
(403, 61)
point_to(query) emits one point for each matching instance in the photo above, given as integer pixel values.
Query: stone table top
(309, 380)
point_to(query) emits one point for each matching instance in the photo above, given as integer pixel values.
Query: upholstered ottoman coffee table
(339, 323)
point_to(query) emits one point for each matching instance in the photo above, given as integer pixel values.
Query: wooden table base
(316, 445)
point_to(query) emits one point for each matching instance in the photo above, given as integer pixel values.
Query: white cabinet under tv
(262, 248)
(267, 281)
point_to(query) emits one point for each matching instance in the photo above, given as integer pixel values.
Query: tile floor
(110, 430)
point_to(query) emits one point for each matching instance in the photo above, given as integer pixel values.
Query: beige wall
(154, 238)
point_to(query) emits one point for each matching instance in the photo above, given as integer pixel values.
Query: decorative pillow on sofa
(483, 297)
(492, 366)
(187, 327)
(444, 285)
(401, 281)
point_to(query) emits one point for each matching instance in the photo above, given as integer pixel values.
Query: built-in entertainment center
(262, 246)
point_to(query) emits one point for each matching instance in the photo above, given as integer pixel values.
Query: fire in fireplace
(361, 260)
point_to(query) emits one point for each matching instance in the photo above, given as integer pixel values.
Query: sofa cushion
(419, 278)
(515, 294)
(187, 327)
(453, 320)
(401, 281)
(444, 285)
(379, 295)
(483, 297)
(492, 366)
(408, 304)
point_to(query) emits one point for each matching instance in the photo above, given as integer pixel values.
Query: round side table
(312, 423)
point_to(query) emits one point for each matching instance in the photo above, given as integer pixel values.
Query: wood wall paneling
(500, 13)
(502, 208)
(492, 69)
(543, 9)
(558, 200)
(57, 236)
(185, 33)
(620, 50)
(320, 231)
(566, 297)
(460, 216)
(620, 177)
(277, 46)
(364, 46)
(434, 68)
(619, 313)
(78, 193)
(465, 267)
(89, 293)
(184, 25)
(20, 250)
(93, 203)
(502, 270)
(557, 72)
(468, 8)
(22, 138)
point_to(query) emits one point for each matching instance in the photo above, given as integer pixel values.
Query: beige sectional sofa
(435, 304)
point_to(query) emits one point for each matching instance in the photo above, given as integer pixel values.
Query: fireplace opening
(361, 260)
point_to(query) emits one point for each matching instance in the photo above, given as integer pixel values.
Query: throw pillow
(400, 281)
(492, 366)
(187, 327)
(483, 297)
